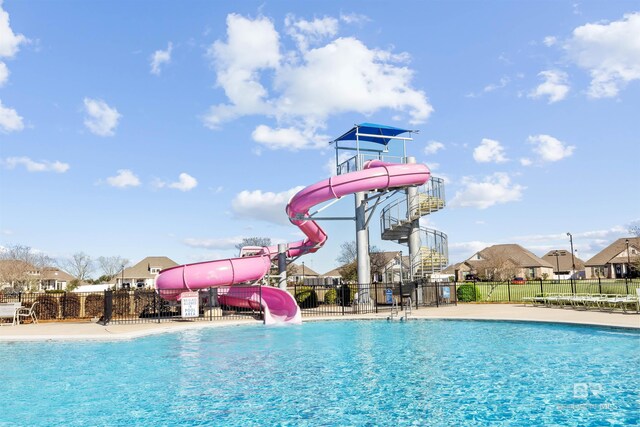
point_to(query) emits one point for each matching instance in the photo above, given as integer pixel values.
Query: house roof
(611, 254)
(53, 273)
(563, 260)
(296, 269)
(388, 257)
(142, 269)
(520, 256)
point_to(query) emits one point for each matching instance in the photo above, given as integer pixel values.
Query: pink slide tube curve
(376, 175)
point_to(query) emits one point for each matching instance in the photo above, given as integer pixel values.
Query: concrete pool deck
(89, 331)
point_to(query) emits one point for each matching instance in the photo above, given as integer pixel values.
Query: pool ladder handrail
(406, 304)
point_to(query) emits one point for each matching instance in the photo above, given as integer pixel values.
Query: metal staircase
(398, 219)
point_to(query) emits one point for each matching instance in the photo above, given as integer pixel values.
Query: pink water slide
(278, 304)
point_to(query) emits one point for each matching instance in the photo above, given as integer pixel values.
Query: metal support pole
(362, 248)
(282, 266)
(413, 206)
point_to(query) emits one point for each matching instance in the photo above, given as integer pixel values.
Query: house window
(532, 272)
(155, 270)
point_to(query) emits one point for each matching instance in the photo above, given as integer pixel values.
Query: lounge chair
(28, 312)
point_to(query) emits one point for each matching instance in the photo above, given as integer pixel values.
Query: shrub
(121, 303)
(345, 295)
(331, 296)
(47, 307)
(93, 305)
(306, 297)
(70, 305)
(468, 292)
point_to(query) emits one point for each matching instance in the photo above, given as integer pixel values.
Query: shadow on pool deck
(87, 331)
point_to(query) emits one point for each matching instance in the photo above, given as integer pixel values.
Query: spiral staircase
(401, 217)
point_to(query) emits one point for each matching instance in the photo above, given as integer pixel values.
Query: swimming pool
(331, 373)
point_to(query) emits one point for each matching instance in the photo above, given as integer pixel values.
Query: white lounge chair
(28, 312)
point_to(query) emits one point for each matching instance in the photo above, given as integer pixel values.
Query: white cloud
(101, 119)
(265, 206)
(550, 149)
(9, 41)
(610, 52)
(433, 147)
(492, 190)
(185, 182)
(33, 166)
(306, 33)
(4, 73)
(526, 161)
(10, 121)
(160, 57)
(550, 41)
(354, 18)
(301, 89)
(489, 151)
(504, 81)
(554, 86)
(124, 178)
(287, 138)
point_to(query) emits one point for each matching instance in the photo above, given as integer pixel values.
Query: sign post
(189, 304)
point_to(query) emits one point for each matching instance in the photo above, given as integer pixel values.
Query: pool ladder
(406, 304)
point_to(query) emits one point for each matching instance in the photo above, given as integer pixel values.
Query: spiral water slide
(278, 305)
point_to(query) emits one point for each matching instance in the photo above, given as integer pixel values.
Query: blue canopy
(369, 129)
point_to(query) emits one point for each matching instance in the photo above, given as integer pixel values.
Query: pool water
(355, 373)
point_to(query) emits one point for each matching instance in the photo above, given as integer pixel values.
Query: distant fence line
(145, 305)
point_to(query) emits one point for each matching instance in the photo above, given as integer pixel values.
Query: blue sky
(178, 128)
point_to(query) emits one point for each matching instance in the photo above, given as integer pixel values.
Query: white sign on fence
(189, 304)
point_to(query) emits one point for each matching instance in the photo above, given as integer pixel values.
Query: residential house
(52, 278)
(21, 275)
(385, 268)
(562, 263)
(459, 270)
(144, 273)
(616, 261)
(300, 273)
(503, 262)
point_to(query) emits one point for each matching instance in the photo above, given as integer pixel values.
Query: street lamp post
(573, 261)
(557, 255)
(122, 278)
(628, 259)
(303, 273)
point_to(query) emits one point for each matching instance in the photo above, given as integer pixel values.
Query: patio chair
(28, 312)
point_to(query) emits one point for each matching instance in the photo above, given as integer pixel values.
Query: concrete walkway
(86, 331)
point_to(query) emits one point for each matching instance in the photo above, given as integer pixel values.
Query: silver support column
(362, 248)
(282, 266)
(413, 205)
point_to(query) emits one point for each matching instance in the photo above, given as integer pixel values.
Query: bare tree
(111, 266)
(80, 265)
(20, 267)
(635, 230)
(348, 252)
(254, 241)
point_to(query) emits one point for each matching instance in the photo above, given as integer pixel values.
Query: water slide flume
(278, 304)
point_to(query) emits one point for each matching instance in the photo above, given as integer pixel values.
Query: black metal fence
(515, 292)
(233, 303)
(345, 299)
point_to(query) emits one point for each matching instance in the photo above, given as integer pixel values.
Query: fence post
(210, 304)
(437, 294)
(541, 288)
(375, 290)
(509, 289)
(19, 296)
(157, 303)
(626, 285)
(108, 307)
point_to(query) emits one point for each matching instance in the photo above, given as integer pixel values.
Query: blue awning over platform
(372, 132)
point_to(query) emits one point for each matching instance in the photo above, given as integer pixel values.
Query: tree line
(21, 267)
